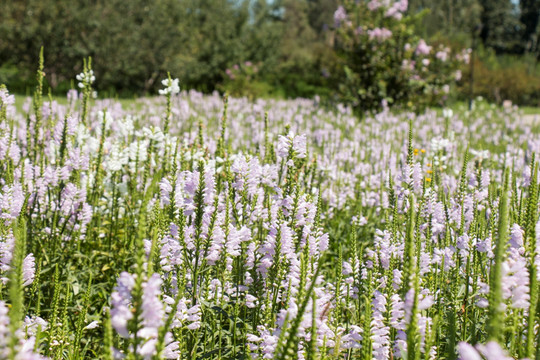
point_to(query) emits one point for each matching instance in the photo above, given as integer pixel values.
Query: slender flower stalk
(86, 79)
(496, 314)
(171, 88)
(531, 237)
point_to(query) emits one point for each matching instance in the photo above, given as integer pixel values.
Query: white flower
(153, 133)
(117, 158)
(448, 113)
(86, 78)
(92, 325)
(171, 87)
(480, 154)
(125, 126)
(104, 116)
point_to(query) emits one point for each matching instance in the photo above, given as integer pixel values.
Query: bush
(384, 61)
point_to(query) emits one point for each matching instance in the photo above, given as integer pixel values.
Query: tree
(302, 52)
(500, 25)
(451, 18)
(211, 40)
(131, 42)
(320, 15)
(530, 18)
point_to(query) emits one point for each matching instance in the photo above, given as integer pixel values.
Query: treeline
(279, 48)
(135, 43)
(506, 26)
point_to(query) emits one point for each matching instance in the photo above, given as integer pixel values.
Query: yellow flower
(428, 179)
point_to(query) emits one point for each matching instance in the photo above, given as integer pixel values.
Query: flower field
(200, 227)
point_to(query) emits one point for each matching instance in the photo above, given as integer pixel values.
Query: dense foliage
(194, 227)
(294, 43)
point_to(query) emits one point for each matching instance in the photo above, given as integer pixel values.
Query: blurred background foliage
(279, 48)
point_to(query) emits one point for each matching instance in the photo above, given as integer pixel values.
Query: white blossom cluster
(86, 78)
(171, 87)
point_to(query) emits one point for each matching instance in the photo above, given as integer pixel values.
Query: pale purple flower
(379, 330)
(251, 301)
(374, 5)
(25, 344)
(379, 34)
(287, 243)
(152, 309)
(7, 243)
(445, 255)
(516, 236)
(11, 201)
(352, 340)
(397, 314)
(236, 236)
(393, 12)
(283, 146)
(425, 300)
(165, 188)
(493, 351)
(299, 146)
(147, 349)
(120, 301)
(397, 279)
(171, 349)
(408, 305)
(28, 269)
(402, 5)
(423, 48)
(483, 290)
(186, 315)
(324, 240)
(72, 95)
(85, 214)
(516, 280)
(33, 323)
(417, 177)
(5, 98)
(4, 330)
(347, 268)
(467, 352)
(485, 246)
(70, 198)
(340, 15)
(218, 240)
(209, 186)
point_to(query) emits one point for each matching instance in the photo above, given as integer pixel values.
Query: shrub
(384, 61)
